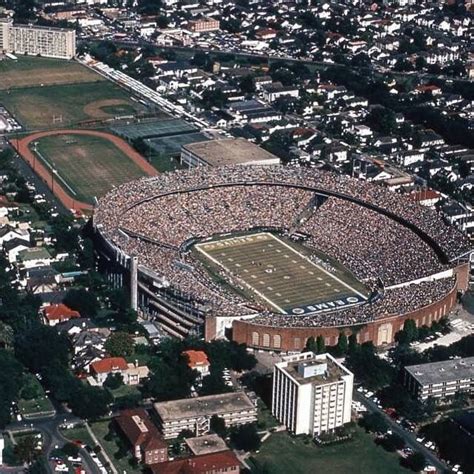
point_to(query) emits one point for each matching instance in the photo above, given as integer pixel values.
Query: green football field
(87, 166)
(278, 274)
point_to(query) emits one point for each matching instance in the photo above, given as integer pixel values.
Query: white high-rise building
(37, 40)
(312, 393)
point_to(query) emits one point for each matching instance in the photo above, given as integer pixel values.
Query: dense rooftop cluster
(153, 217)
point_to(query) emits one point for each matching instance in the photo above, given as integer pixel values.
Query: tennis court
(276, 273)
(154, 128)
(171, 146)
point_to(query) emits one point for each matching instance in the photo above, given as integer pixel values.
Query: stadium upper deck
(383, 238)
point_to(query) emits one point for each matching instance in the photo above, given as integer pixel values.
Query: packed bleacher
(152, 217)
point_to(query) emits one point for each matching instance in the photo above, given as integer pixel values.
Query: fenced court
(281, 276)
(171, 146)
(153, 128)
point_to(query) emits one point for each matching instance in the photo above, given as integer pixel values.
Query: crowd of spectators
(111, 208)
(400, 300)
(153, 217)
(368, 243)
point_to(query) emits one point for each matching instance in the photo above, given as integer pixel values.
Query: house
(13, 247)
(132, 373)
(42, 280)
(58, 313)
(426, 197)
(35, 257)
(276, 90)
(8, 233)
(214, 463)
(143, 436)
(197, 360)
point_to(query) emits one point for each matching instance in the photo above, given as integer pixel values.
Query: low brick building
(146, 442)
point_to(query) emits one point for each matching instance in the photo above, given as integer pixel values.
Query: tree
(113, 381)
(247, 84)
(342, 344)
(246, 438)
(415, 461)
(311, 345)
(11, 376)
(119, 344)
(382, 120)
(374, 423)
(90, 402)
(217, 425)
(320, 345)
(214, 383)
(31, 388)
(214, 98)
(32, 350)
(392, 442)
(26, 449)
(409, 333)
(83, 301)
(70, 449)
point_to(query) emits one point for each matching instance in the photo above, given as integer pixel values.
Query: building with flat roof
(37, 40)
(194, 414)
(440, 379)
(228, 151)
(206, 444)
(312, 394)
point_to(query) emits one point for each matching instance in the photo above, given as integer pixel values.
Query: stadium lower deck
(277, 274)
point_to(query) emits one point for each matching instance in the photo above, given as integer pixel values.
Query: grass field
(111, 446)
(281, 276)
(86, 166)
(63, 106)
(282, 454)
(30, 71)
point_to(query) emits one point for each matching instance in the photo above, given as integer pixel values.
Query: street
(408, 437)
(52, 438)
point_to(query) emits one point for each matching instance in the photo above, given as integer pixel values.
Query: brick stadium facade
(381, 332)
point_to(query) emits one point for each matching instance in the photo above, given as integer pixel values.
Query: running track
(22, 146)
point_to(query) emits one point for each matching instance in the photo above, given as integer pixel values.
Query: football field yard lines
(279, 274)
(250, 286)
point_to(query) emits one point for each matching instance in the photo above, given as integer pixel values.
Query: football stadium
(273, 255)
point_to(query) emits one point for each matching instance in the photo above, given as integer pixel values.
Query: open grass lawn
(33, 71)
(87, 166)
(62, 106)
(125, 391)
(78, 433)
(122, 463)
(35, 407)
(283, 454)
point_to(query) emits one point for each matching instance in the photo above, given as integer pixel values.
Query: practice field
(278, 274)
(30, 71)
(60, 106)
(87, 166)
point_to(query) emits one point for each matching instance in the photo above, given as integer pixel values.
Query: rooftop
(438, 372)
(231, 152)
(321, 369)
(207, 444)
(203, 406)
(109, 364)
(196, 358)
(198, 464)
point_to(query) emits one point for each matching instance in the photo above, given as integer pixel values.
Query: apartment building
(37, 40)
(194, 414)
(203, 25)
(312, 394)
(440, 380)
